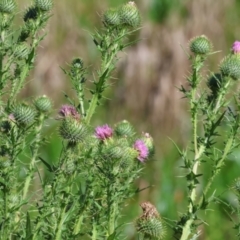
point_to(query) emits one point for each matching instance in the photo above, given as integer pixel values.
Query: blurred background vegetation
(144, 90)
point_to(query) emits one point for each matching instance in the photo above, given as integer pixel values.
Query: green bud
(21, 51)
(148, 140)
(23, 114)
(5, 126)
(69, 167)
(112, 17)
(230, 66)
(124, 128)
(127, 160)
(13, 200)
(73, 131)
(43, 104)
(31, 14)
(152, 228)
(200, 45)
(113, 152)
(44, 5)
(7, 6)
(129, 15)
(77, 63)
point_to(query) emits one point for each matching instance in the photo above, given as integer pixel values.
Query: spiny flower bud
(68, 111)
(200, 45)
(149, 224)
(21, 51)
(7, 6)
(236, 47)
(43, 104)
(5, 126)
(69, 166)
(126, 161)
(23, 114)
(44, 5)
(142, 150)
(230, 66)
(103, 132)
(129, 15)
(148, 140)
(13, 200)
(30, 14)
(77, 63)
(124, 128)
(111, 17)
(73, 131)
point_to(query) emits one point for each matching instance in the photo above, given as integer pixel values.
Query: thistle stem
(36, 146)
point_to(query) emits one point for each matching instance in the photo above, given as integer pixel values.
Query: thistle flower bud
(124, 128)
(73, 131)
(23, 114)
(30, 14)
(69, 167)
(129, 15)
(230, 66)
(5, 126)
(43, 104)
(77, 63)
(236, 47)
(111, 17)
(103, 132)
(44, 5)
(126, 162)
(69, 111)
(142, 150)
(7, 6)
(149, 224)
(200, 45)
(21, 51)
(13, 200)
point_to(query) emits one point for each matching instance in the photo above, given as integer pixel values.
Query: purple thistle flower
(142, 149)
(236, 47)
(68, 110)
(103, 132)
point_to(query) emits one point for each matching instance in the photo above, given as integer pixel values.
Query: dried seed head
(149, 210)
(149, 224)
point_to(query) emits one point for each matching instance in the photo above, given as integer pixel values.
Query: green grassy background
(145, 91)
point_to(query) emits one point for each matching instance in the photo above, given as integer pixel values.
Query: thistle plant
(85, 190)
(211, 110)
(82, 193)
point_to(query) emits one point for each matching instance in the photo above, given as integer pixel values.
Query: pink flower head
(103, 132)
(68, 110)
(142, 149)
(236, 47)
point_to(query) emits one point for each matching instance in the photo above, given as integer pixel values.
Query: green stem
(99, 88)
(78, 225)
(36, 146)
(60, 225)
(111, 221)
(198, 153)
(94, 231)
(107, 58)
